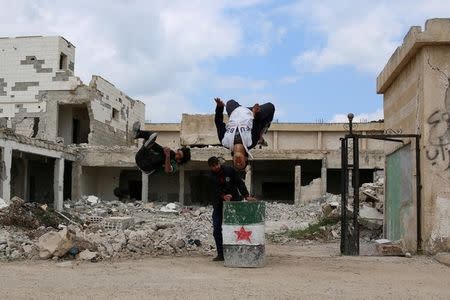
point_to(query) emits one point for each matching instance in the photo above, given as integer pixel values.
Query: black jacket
(220, 126)
(227, 181)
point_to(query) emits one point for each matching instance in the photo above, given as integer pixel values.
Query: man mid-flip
(153, 158)
(245, 128)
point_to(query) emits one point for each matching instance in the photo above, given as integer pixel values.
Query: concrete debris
(3, 204)
(92, 200)
(87, 255)
(370, 217)
(390, 248)
(171, 207)
(55, 243)
(114, 229)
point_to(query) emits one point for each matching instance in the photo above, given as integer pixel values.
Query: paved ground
(292, 272)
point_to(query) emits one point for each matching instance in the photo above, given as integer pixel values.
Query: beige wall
(415, 84)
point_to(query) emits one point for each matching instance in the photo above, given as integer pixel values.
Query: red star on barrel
(243, 235)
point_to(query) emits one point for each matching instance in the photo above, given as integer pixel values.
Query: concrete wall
(415, 84)
(100, 181)
(37, 75)
(29, 65)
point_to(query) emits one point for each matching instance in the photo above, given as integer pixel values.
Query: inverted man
(153, 158)
(245, 128)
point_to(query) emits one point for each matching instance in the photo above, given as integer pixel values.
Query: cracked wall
(416, 87)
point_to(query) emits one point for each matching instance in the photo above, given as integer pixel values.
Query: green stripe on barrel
(243, 234)
(243, 213)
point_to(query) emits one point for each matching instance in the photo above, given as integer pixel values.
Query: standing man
(244, 130)
(152, 157)
(228, 186)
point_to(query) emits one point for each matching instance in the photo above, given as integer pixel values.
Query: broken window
(63, 61)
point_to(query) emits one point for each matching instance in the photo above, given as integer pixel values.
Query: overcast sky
(315, 60)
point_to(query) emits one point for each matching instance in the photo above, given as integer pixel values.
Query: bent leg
(230, 106)
(266, 113)
(143, 134)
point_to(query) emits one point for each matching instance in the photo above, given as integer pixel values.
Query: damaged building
(50, 120)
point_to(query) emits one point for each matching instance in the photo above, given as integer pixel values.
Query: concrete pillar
(275, 140)
(58, 184)
(144, 187)
(248, 178)
(6, 173)
(319, 140)
(181, 186)
(298, 184)
(77, 172)
(363, 145)
(323, 176)
(26, 188)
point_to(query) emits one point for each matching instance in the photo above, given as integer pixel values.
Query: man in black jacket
(153, 158)
(245, 128)
(228, 186)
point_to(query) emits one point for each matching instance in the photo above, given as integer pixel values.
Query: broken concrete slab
(443, 258)
(87, 255)
(55, 243)
(370, 217)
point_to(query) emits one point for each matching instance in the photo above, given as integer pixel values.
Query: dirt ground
(292, 272)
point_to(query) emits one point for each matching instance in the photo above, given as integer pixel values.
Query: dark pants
(149, 158)
(217, 229)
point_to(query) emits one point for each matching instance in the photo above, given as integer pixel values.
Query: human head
(240, 157)
(183, 155)
(214, 164)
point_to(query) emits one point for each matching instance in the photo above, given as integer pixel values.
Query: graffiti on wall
(438, 150)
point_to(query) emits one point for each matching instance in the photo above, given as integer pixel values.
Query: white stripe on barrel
(243, 234)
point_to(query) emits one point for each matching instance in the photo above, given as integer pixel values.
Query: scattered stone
(3, 204)
(55, 244)
(92, 200)
(370, 217)
(388, 248)
(443, 258)
(87, 255)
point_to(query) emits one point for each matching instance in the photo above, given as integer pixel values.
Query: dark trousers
(217, 229)
(149, 158)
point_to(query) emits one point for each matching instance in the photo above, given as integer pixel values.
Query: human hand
(256, 109)
(227, 197)
(219, 102)
(166, 151)
(250, 198)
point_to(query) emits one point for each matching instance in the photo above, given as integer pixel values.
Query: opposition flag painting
(243, 234)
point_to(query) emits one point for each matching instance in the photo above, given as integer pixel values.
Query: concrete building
(64, 139)
(415, 84)
(301, 162)
(46, 113)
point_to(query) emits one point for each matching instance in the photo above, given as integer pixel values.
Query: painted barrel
(243, 231)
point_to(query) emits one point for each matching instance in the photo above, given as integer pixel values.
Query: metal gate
(350, 184)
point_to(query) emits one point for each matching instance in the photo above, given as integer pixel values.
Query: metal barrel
(243, 232)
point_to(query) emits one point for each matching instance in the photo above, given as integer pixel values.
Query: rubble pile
(92, 229)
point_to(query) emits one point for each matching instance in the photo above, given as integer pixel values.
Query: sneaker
(218, 258)
(136, 128)
(150, 140)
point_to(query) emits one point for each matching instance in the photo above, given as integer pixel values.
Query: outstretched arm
(240, 185)
(218, 119)
(167, 166)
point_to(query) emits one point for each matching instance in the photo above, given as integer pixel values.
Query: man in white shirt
(245, 128)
